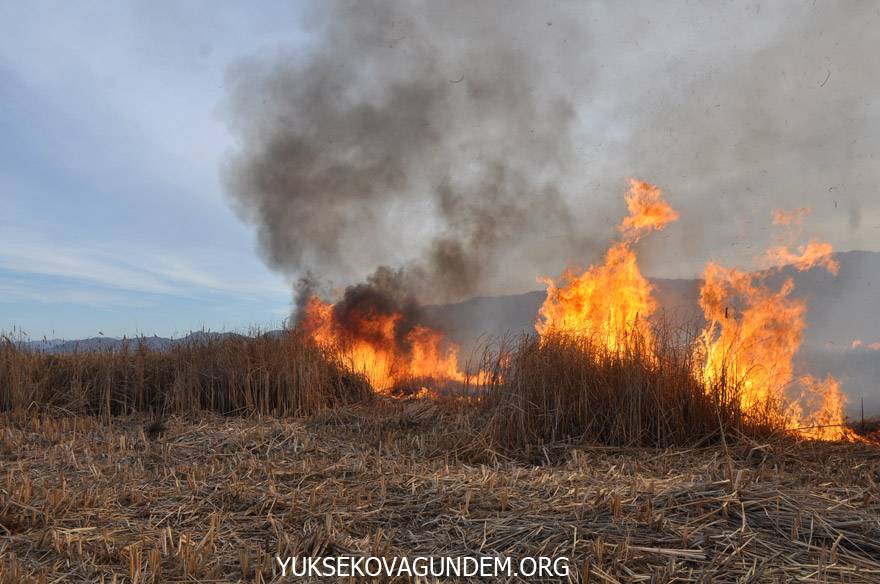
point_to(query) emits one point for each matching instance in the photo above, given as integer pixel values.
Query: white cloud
(16, 290)
(123, 267)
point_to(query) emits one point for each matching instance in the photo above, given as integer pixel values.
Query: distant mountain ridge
(155, 343)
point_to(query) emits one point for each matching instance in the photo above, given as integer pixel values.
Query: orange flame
(613, 300)
(753, 333)
(824, 401)
(647, 210)
(815, 253)
(796, 217)
(754, 348)
(370, 346)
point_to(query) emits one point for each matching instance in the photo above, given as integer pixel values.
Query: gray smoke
(472, 146)
(736, 109)
(425, 136)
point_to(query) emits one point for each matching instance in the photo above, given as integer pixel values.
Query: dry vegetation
(277, 375)
(564, 386)
(213, 499)
(127, 467)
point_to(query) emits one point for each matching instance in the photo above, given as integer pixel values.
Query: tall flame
(753, 333)
(756, 344)
(753, 330)
(612, 300)
(371, 345)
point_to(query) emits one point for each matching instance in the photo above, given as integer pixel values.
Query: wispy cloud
(124, 267)
(17, 290)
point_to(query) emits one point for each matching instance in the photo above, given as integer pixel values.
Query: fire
(857, 344)
(796, 217)
(754, 348)
(371, 344)
(647, 210)
(611, 301)
(753, 333)
(805, 257)
(746, 350)
(824, 401)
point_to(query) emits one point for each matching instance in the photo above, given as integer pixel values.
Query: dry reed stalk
(566, 386)
(264, 375)
(215, 498)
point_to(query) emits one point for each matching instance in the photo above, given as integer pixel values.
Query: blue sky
(112, 138)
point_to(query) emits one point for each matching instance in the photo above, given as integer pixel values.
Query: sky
(114, 133)
(114, 219)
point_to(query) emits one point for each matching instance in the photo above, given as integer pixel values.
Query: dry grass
(213, 499)
(566, 386)
(280, 375)
(540, 391)
(98, 487)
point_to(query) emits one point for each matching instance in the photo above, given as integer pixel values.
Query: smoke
(419, 140)
(385, 293)
(739, 108)
(471, 146)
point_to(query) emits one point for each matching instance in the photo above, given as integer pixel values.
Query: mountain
(114, 344)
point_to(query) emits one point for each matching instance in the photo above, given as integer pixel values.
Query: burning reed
(601, 366)
(564, 386)
(593, 325)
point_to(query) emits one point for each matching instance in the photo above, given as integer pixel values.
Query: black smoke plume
(418, 142)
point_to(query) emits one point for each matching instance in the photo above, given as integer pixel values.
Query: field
(214, 499)
(204, 462)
